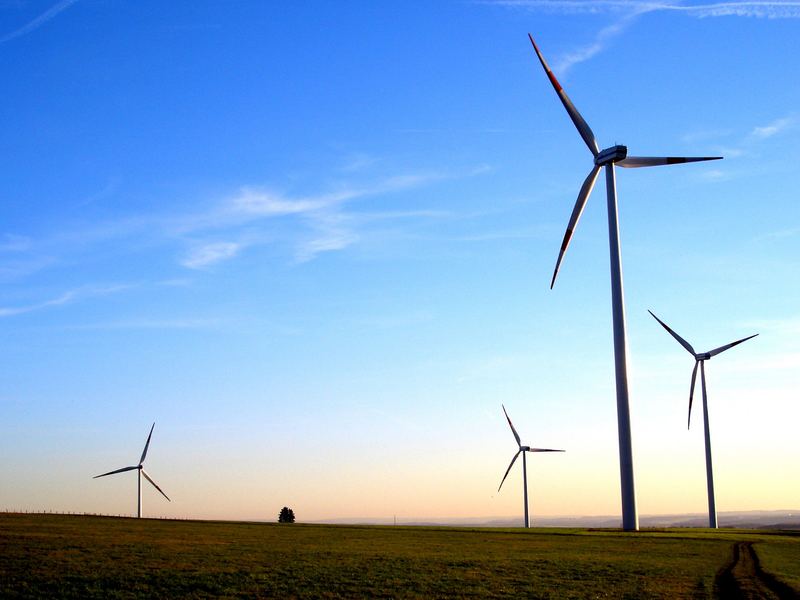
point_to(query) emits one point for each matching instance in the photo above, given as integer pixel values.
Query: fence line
(15, 511)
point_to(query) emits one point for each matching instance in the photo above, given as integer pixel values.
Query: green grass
(780, 555)
(85, 557)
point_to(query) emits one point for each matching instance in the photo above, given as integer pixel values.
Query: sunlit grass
(780, 555)
(82, 557)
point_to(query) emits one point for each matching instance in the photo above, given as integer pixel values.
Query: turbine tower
(141, 471)
(699, 359)
(522, 450)
(615, 155)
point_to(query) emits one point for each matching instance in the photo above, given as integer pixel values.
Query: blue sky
(314, 243)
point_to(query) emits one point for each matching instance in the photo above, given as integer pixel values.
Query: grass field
(96, 557)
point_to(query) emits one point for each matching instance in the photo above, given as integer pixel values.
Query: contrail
(631, 10)
(38, 21)
(764, 9)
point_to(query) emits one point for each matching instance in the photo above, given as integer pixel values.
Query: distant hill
(756, 519)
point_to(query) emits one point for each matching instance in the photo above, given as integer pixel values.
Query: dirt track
(744, 578)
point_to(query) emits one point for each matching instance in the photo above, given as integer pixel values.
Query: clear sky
(313, 242)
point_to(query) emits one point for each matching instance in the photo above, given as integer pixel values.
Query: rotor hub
(611, 155)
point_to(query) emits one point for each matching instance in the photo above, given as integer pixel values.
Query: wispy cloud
(331, 232)
(760, 133)
(326, 225)
(781, 234)
(306, 225)
(43, 18)
(774, 128)
(704, 135)
(67, 297)
(713, 175)
(742, 144)
(628, 11)
(175, 282)
(253, 203)
(18, 310)
(358, 162)
(106, 191)
(207, 255)
(150, 323)
(602, 39)
(335, 240)
(262, 203)
(730, 151)
(24, 266)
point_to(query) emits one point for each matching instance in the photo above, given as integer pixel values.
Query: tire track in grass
(744, 579)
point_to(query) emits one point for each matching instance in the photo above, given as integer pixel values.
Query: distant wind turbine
(608, 158)
(141, 470)
(522, 450)
(699, 359)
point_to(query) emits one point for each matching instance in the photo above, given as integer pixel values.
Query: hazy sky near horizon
(313, 242)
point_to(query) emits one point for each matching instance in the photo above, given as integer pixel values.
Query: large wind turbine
(615, 155)
(699, 359)
(522, 450)
(141, 471)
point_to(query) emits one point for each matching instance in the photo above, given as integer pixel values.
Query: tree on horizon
(286, 515)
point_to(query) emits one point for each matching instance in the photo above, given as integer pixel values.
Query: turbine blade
(122, 470)
(510, 424)
(681, 341)
(691, 393)
(634, 162)
(721, 349)
(509, 468)
(544, 450)
(155, 485)
(577, 119)
(577, 210)
(144, 452)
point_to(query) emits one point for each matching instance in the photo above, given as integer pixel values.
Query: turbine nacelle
(611, 155)
(704, 356)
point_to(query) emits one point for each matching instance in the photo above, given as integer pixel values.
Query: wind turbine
(141, 470)
(522, 450)
(615, 155)
(699, 359)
